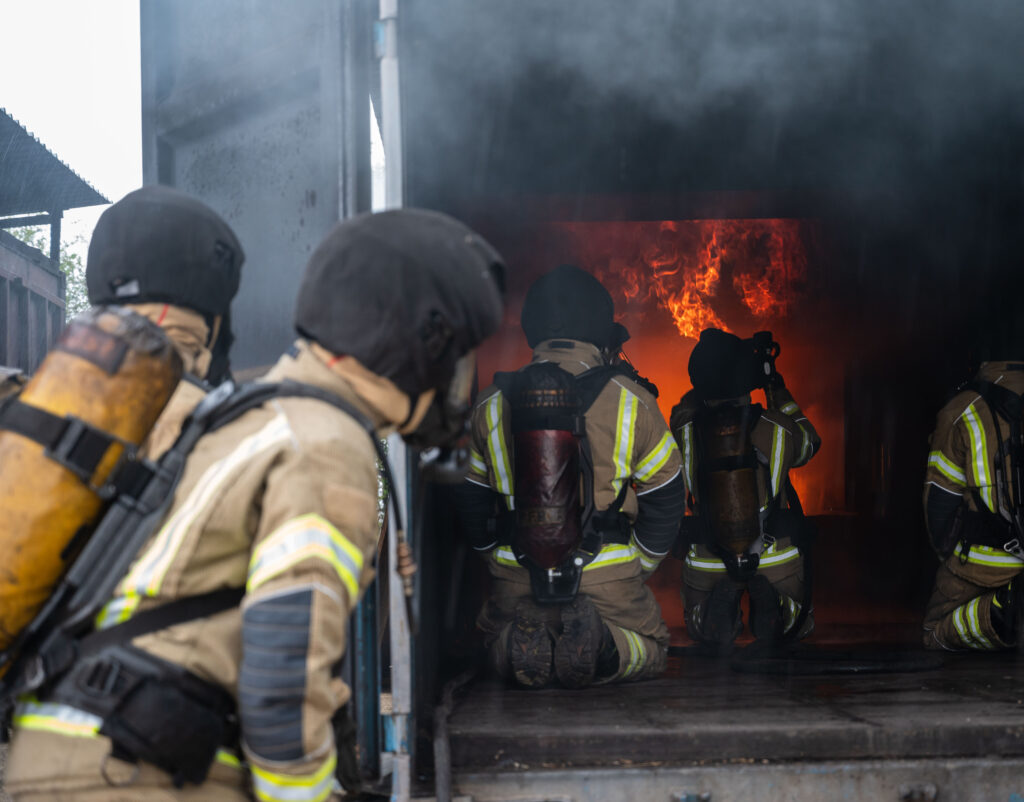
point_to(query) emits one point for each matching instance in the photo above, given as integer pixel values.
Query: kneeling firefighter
(573, 497)
(747, 528)
(974, 503)
(214, 662)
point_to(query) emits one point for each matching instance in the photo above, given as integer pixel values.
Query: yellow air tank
(111, 369)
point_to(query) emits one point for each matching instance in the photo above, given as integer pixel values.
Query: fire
(700, 271)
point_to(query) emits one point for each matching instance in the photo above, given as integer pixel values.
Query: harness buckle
(1013, 547)
(769, 541)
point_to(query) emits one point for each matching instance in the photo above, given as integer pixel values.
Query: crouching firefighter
(747, 529)
(575, 455)
(974, 509)
(213, 659)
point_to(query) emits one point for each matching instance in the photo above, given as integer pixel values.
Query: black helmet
(571, 303)
(407, 292)
(158, 244)
(722, 365)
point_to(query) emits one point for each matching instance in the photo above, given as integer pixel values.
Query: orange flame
(700, 271)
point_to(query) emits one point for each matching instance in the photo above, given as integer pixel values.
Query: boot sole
(530, 652)
(576, 651)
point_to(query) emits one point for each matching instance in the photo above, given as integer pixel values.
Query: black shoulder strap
(1007, 403)
(590, 383)
(179, 611)
(505, 382)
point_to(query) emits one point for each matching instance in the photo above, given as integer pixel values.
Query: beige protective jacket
(962, 462)
(282, 501)
(629, 441)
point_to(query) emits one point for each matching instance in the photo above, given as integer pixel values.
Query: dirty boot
(577, 650)
(720, 623)
(1007, 620)
(530, 649)
(765, 610)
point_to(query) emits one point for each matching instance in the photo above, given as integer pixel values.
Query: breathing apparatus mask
(443, 434)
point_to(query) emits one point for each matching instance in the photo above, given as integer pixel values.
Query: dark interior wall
(897, 126)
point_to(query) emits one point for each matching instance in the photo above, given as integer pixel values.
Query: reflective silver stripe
(637, 653)
(975, 624)
(497, 447)
(270, 786)
(945, 466)
(505, 556)
(30, 714)
(983, 478)
(655, 461)
(623, 453)
(790, 408)
(611, 554)
(476, 463)
(306, 537)
(778, 441)
(146, 575)
(985, 555)
(688, 455)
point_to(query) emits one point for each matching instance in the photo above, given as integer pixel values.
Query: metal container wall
(246, 104)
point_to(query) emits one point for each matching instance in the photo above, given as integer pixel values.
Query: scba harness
(983, 526)
(556, 530)
(151, 709)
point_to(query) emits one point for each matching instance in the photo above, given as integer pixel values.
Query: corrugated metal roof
(32, 179)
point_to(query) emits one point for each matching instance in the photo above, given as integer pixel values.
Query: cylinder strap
(68, 440)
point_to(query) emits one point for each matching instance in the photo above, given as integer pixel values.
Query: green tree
(71, 264)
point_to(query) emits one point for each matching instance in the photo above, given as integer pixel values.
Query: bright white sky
(69, 73)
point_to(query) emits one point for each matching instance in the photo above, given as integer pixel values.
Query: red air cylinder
(545, 421)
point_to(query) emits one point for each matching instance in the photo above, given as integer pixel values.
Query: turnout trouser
(614, 582)
(959, 613)
(47, 766)
(781, 564)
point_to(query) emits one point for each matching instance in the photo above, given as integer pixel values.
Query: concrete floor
(704, 713)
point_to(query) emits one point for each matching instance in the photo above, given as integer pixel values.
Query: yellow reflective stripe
(623, 449)
(979, 449)
(790, 408)
(226, 758)
(778, 442)
(768, 559)
(772, 557)
(805, 441)
(476, 463)
(497, 447)
(647, 562)
(611, 554)
(699, 564)
(637, 653)
(655, 461)
(938, 460)
(60, 719)
(306, 537)
(503, 555)
(961, 627)
(273, 787)
(792, 611)
(992, 557)
(146, 575)
(975, 624)
(688, 455)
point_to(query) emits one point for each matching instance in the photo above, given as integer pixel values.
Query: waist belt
(152, 710)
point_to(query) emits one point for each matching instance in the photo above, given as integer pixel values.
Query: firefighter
(973, 507)
(608, 627)
(736, 459)
(280, 503)
(172, 259)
